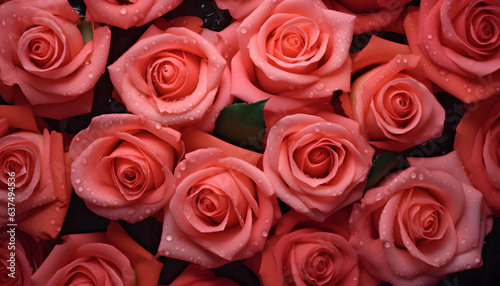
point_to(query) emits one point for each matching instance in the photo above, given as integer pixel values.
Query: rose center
(292, 45)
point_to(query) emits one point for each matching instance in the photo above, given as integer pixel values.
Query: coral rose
(222, 209)
(392, 101)
(34, 183)
(45, 54)
(128, 13)
(459, 41)
(292, 52)
(123, 166)
(175, 77)
(85, 259)
(478, 143)
(421, 224)
(317, 163)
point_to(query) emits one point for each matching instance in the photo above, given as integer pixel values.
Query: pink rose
(195, 276)
(45, 55)
(85, 259)
(293, 52)
(16, 270)
(128, 13)
(372, 15)
(459, 41)
(303, 252)
(391, 101)
(175, 77)
(34, 183)
(421, 224)
(123, 166)
(222, 209)
(317, 163)
(238, 9)
(477, 142)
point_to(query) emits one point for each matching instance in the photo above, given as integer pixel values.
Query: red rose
(175, 77)
(292, 52)
(45, 54)
(459, 42)
(34, 183)
(128, 13)
(421, 224)
(477, 142)
(392, 101)
(317, 163)
(123, 166)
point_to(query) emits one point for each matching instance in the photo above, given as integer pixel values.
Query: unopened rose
(459, 42)
(34, 180)
(128, 13)
(478, 143)
(392, 101)
(292, 52)
(175, 77)
(222, 209)
(421, 224)
(85, 259)
(123, 166)
(372, 15)
(43, 53)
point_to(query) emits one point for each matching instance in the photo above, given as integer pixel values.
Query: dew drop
(169, 237)
(387, 244)
(91, 75)
(244, 30)
(158, 125)
(429, 36)
(123, 11)
(264, 233)
(413, 175)
(78, 180)
(84, 161)
(80, 189)
(477, 259)
(320, 86)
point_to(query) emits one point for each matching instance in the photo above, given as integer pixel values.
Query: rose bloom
(305, 252)
(85, 259)
(238, 9)
(46, 56)
(371, 15)
(123, 166)
(460, 45)
(391, 101)
(195, 276)
(477, 142)
(317, 163)
(33, 167)
(17, 271)
(222, 209)
(175, 77)
(128, 13)
(292, 52)
(421, 224)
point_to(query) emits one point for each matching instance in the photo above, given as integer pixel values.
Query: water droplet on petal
(78, 180)
(123, 11)
(244, 30)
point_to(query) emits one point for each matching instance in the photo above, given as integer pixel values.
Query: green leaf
(242, 124)
(87, 31)
(384, 164)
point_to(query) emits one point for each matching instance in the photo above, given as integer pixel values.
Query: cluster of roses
(296, 214)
